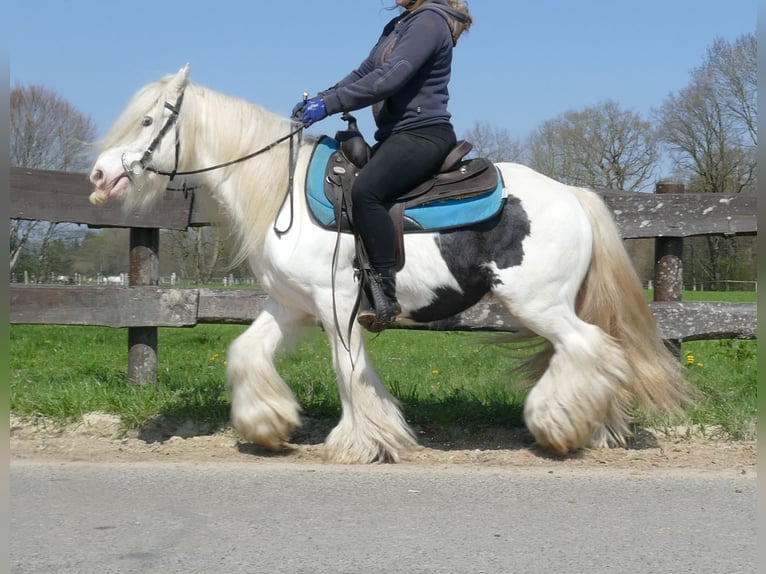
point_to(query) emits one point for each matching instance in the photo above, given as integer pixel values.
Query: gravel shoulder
(98, 438)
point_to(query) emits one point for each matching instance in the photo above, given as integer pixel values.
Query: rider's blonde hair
(456, 27)
(461, 7)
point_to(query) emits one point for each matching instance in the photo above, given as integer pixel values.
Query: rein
(264, 149)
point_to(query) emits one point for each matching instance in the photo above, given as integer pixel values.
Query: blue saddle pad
(435, 216)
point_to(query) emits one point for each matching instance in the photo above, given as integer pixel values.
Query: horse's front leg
(263, 408)
(372, 427)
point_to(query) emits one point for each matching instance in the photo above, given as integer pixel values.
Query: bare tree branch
(710, 125)
(494, 144)
(46, 133)
(599, 146)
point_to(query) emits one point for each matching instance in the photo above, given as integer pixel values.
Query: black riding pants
(398, 164)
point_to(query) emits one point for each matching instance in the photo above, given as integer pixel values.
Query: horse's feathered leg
(609, 357)
(263, 408)
(372, 427)
(581, 399)
(579, 396)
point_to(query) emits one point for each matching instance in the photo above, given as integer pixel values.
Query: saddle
(458, 178)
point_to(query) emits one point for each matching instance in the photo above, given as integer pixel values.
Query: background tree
(496, 144)
(710, 129)
(198, 253)
(600, 146)
(733, 69)
(103, 252)
(46, 133)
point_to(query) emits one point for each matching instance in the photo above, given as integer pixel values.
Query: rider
(404, 79)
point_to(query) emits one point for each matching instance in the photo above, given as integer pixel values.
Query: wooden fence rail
(144, 306)
(169, 307)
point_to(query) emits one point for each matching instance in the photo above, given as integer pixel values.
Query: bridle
(144, 163)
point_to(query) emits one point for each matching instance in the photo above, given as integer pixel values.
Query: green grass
(726, 373)
(63, 372)
(444, 380)
(731, 296)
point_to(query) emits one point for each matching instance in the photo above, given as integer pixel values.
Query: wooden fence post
(668, 263)
(144, 271)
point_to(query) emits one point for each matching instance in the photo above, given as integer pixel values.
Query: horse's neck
(250, 192)
(225, 129)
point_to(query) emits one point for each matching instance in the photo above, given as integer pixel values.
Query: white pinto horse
(553, 258)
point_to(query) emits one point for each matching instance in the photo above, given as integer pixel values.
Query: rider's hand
(297, 113)
(310, 111)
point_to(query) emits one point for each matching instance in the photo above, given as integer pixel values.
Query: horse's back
(553, 208)
(524, 182)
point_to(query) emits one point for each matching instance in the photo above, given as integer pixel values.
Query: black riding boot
(380, 287)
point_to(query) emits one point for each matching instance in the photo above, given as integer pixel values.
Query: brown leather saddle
(457, 178)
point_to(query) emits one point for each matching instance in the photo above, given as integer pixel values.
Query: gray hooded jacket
(406, 74)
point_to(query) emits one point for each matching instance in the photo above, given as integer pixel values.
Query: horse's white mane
(216, 128)
(230, 128)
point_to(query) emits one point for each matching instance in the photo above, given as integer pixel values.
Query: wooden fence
(668, 216)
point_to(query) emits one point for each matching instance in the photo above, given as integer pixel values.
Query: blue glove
(313, 111)
(297, 113)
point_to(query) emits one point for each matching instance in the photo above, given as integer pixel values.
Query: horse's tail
(612, 297)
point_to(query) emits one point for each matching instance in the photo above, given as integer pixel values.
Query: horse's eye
(147, 121)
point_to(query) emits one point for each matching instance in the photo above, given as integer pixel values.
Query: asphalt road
(251, 518)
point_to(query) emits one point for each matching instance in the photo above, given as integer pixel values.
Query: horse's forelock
(129, 122)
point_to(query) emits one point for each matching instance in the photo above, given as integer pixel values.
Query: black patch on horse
(468, 250)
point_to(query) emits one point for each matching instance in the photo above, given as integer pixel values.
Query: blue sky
(523, 62)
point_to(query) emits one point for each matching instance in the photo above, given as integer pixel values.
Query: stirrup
(381, 295)
(374, 323)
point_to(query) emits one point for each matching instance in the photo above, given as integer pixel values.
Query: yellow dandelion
(700, 365)
(435, 372)
(689, 359)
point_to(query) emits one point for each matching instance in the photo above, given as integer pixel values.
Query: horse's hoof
(268, 435)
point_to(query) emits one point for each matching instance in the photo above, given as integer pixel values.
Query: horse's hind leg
(580, 399)
(263, 408)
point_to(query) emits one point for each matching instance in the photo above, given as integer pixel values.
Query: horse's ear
(181, 80)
